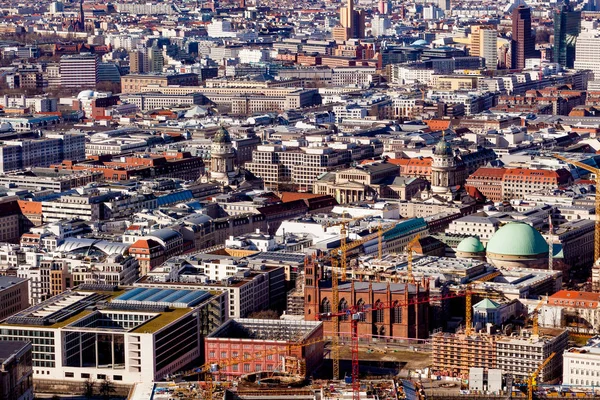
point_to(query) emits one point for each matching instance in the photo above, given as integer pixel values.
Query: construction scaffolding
(454, 354)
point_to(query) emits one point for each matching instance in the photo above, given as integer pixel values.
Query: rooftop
(266, 329)
(8, 281)
(162, 297)
(10, 348)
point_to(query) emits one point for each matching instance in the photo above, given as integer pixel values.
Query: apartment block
(13, 295)
(518, 355)
(79, 71)
(499, 184)
(16, 371)
(135, 82)
(301, 166)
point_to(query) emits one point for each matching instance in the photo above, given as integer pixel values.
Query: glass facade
(567, 25)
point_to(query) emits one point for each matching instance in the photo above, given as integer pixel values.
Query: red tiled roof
(286, 197)
(486, 172)
(419, 162)
(574, 298)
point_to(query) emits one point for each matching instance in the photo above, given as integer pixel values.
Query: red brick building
(265, 345)
(408, 321)
(498, 184)
(489, 182)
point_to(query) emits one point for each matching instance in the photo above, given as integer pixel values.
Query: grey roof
(166, 297)
(8, 348)
(73, 244)
(199, 219)
(165, 234)
(8, 281)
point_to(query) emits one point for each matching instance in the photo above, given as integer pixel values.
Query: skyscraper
(138, 62)
(567, 25)
(352, 23)
(156, 60)
(587, 52)
(484, 44)
(523, 44)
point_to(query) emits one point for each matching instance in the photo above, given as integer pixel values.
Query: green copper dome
(443, 148)
(470, 245)
(222, 136)
(517, 239)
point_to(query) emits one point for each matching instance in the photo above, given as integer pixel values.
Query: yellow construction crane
(531, 382)
(343, 249)
(468, 311)
(409, 250)
(535, 330)
(596, 172)
(338, 270)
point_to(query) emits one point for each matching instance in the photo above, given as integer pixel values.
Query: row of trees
(105, 388)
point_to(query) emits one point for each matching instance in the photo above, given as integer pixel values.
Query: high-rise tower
(567, 25)
(352, 23)
(523, 44)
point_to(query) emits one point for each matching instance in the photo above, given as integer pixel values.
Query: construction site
(329, 356)
(293, 347)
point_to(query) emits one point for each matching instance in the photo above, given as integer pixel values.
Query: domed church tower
(443, 169)
(222, 156)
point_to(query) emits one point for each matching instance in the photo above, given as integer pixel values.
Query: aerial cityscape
(312, 200)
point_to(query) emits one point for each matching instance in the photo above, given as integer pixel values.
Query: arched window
(325, 306)
(360, 305)
(343, 306)
(378, 312)
(397, 313)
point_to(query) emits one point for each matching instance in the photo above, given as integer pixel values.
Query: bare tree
(106, 388)
(88, 388)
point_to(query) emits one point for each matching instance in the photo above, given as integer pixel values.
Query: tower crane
(468, 311)
(535, 330)
(409, 250)
(596, 172)
(356, 314)
(338, 270)
(531, 382)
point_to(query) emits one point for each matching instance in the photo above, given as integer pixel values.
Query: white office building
(581, 366)
(587, 52)
(126, 337)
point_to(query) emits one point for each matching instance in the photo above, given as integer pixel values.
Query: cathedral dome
(443, 148)
(222, 136)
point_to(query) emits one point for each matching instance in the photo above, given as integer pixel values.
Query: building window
(117, 377)
(378, 313)
(342, 307)
(69, 375)
(397, 313)
(360, 305)
(325, 306)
